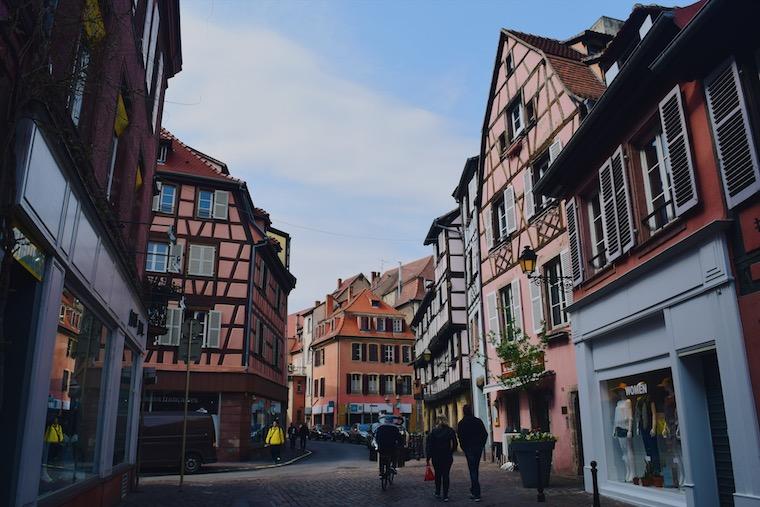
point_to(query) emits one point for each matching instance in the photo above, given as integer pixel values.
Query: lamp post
(426, 355)
(528, 259)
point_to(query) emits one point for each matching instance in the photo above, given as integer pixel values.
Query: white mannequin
(624, 419)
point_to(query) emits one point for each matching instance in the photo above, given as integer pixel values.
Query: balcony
(158, 291)
(296, 371)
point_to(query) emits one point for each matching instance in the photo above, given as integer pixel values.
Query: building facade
(232, 280)
(404, 287)
(541, 90)
(658, 217)
(296, 370)
(362, 352)
(75, 193)
(442, 346)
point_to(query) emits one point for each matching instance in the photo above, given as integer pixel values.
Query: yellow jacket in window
(54, 433)
(275, 436)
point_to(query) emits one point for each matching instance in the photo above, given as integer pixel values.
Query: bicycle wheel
(384, 476)
(390, 476)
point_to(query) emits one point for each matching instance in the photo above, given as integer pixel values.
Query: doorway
(724, 471)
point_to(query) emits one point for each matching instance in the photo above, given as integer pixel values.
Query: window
(503, 144)
(76, 97)
(373, 352)
(112, 163)
(388, 382)
(539, 168)
(65, 380)
(356, 352)
(405, 386)
(319, 357)
(211, 325)
(656, 183)
(201, 261)
(157, 257)
(163, 152)
(388, 356)
(205, 204)
(375, 303)
(406, 354)
(316, 387)
(515, 119)
(157, 91)
(277, 352)
(530, 111)
(212, 204)
(381, 324)
(356, 383)
(596, 231)
(373, 386)
(364, 323)
(258, 347)
(264, 277)
(164, 201)
(174, 319)
(509, 64)
(398, 325)
(555, 293)
(511, 310)
(322, 387)
(299, 387)
(150, 39)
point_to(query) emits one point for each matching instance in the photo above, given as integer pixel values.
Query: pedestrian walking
(303, 433)
(292, 434)
(472, 438)
(275, 439)
(440, 446)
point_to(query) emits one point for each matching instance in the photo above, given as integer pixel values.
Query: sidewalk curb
(257, 467)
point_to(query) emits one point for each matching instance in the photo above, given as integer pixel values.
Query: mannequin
(671, 432)
(646, 424)
(623, 430)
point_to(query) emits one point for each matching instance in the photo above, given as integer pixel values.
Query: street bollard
(540, 498)
(595, 484)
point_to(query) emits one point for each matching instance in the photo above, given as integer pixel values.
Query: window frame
(515, 130)
(201, 261)
(161, 197)
(152, 253)
(356, 351)
(656, 136)
(198, 207)
(553, 283)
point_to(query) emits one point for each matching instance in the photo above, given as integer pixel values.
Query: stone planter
(525, 453)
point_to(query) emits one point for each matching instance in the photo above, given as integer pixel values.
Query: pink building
(540, 91)
(234, 282)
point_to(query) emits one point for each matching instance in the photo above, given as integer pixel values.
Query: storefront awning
(509, 384)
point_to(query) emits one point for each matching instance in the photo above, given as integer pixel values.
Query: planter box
(525, 453)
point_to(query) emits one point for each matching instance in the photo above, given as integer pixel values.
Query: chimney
(317, 303)
(340, 282)
(329, 305)
(375, 276)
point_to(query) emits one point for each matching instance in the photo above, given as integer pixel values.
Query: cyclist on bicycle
(389, 441)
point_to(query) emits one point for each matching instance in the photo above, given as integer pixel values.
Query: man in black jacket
(472, 438)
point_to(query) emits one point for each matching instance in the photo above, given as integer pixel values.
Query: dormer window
(163, 152)
(375, 303)
(509, 64)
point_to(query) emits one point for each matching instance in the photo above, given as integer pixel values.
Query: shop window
(124, 406)
(73, 413)
(642, 417)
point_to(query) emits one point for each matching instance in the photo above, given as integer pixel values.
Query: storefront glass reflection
(645, 440)
(74, 397)
(263, 412)
(126, 379)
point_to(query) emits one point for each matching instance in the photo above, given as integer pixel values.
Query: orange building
(361, 355)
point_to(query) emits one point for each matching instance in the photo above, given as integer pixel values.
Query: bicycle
(386, 474)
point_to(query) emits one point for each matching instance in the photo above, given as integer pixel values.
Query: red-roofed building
(362, 352)
(232, 278)
(407, 296)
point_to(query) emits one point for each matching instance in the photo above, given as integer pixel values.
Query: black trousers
(275, 449)
(293, 442)
(303, 442)
(473, 464)
(442, 468)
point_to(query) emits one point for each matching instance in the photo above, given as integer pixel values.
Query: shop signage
(28, 255)
(636, 389)
(355, 408)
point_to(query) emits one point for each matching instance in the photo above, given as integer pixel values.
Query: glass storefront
(74, 396)
(644, 446)
(263, 412)
(124, 405)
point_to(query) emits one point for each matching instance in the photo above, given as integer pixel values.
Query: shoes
(393, 470)
(476, 498)
(445, 499)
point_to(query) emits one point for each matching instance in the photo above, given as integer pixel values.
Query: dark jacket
(441, 442)
(472, 434)
(388, 437)
(292, 431)
(303, 431)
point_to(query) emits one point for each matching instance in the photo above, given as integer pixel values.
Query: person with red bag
(439, 448)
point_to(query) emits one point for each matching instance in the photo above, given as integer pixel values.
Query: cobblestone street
(340, 475)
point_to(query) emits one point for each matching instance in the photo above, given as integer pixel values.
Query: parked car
(161, 440)
(342, 433)
(320, 432)
(372, 446)
(360, 433)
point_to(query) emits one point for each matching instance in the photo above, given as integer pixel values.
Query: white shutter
(194, 262)
(609, 215)
(678, 152)
(622, 201)
(489, 227)
(493, 314)
(554, 150)
(174, 263)
(207, 264)
(530, 203)
(213, 328)
(516, 309)
(536, 306)
(576, 254)
(221, 202)
(732, 133)
(567, 267)
(509, 209)
(173, 327)
(157, 198)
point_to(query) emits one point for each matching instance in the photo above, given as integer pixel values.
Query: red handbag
(429, 475)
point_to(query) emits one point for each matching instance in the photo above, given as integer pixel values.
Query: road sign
(191, 330)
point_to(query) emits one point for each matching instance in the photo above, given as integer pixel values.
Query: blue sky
(350, 120)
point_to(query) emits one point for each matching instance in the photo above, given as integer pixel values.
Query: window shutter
(509, 209)
(364, 352)
(348, 383)
(396, 354)
(622, 201)
(530, 203)
(493, 315)
(221, 202)
(365, 384)
(566, 264)
(173, 327)
(489, 227)
(537, 307)
(322, 387)
(382, 384)
(214, 329)
(208, 260)
(174, 264)
(609, 215)
(678, 152)
(157, 198)
(517, 306)
(732, 133)
(576, 256)
(554, 150)
(194, 264)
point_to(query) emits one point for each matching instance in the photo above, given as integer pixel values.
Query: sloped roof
(388, 281)
(578, 78)
(547, 45)
(183, 159)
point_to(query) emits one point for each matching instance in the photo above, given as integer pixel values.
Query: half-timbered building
(210, 243)
(540, 91)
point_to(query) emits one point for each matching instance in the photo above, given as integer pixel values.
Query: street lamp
(527, 261)
(426, 355)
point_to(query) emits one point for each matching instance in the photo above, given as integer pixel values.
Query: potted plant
(525, 446)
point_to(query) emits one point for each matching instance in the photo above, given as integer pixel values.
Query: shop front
(79, 368)
(665, 398)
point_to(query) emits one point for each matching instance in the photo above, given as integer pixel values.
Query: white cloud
(281, 118)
